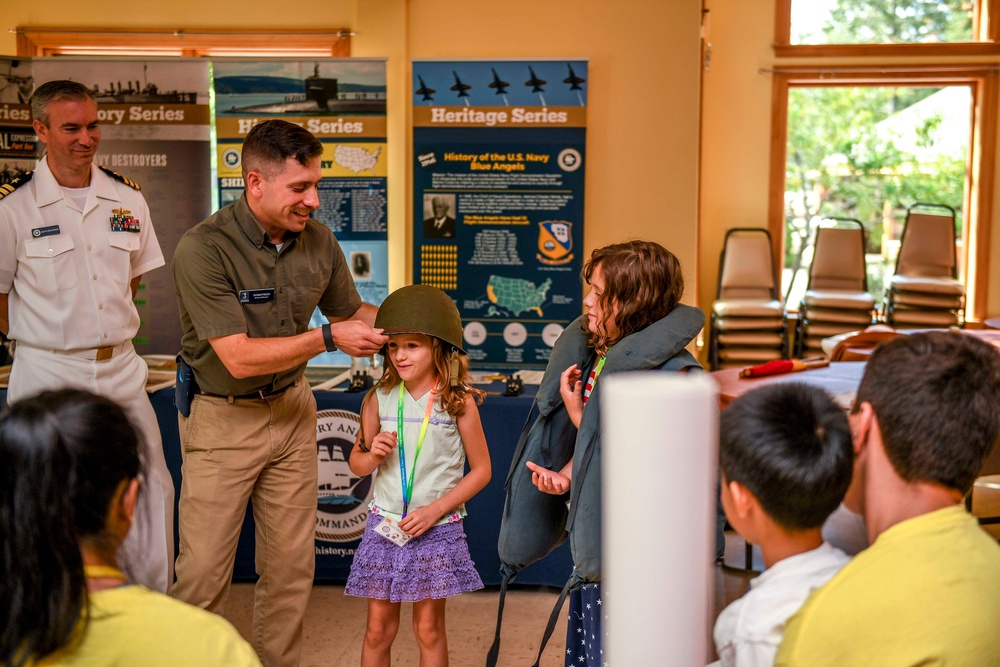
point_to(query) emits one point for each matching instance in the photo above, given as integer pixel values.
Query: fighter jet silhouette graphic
(536, 84)
(500, 86)
(461, 88)
(574, 82)
(424, 90)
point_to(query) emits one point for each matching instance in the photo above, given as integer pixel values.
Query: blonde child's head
(428, 312)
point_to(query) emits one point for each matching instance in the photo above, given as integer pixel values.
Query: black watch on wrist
(328, 338)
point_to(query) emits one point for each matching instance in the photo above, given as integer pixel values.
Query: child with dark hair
(70, 475)
(786, 458)
(927, 590)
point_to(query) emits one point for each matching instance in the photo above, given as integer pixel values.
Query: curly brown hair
(643, 283)
(452, 396)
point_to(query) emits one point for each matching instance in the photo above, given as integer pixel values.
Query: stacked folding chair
(837, 299)
(925, 292)
(748, 319)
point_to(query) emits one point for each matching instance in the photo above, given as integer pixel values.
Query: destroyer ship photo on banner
(499, 157)
(342, 102)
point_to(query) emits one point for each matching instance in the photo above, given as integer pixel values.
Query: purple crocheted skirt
(435, 565)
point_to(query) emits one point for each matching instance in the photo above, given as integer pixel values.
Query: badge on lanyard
(391, 531)
(122, 221)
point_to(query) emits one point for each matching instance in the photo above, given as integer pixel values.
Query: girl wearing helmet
(419, 425)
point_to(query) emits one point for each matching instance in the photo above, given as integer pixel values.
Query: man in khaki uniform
(74, 241)
(248, 279)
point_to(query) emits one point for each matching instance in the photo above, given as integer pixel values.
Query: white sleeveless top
(440, 466)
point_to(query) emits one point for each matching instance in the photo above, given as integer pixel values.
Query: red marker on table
(780, 366)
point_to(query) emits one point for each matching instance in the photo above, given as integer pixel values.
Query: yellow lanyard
(103, 572)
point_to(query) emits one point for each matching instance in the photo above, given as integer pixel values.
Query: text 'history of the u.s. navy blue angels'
(498, 174)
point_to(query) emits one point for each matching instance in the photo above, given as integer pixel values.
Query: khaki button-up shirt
(231, 279)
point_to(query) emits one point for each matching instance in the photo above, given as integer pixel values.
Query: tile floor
(335, 624)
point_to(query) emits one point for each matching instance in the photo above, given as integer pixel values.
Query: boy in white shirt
(786, 458)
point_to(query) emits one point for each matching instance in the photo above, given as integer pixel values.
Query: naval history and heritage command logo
(342, 509)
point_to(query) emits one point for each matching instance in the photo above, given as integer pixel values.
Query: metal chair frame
(802, 322)
(713, 339)
(889, 305)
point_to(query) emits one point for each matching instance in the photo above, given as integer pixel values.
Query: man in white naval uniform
(74, 241)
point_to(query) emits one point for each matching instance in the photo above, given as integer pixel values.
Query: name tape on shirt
(256, 295)
(39, 232)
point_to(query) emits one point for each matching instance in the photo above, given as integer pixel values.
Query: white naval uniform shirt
(70, 291)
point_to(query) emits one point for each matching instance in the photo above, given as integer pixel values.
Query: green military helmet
(421, 309)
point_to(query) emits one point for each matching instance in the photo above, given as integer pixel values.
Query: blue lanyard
(408, 484)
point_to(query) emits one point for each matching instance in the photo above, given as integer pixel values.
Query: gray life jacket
(534, 523)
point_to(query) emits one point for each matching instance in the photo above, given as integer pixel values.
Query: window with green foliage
(884, 21)
(869, 152)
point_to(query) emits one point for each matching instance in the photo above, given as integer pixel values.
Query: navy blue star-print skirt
(584, 637)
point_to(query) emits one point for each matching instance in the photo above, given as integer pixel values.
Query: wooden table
(991, 336)
(840, 379)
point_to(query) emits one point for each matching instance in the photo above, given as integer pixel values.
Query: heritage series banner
(499, 149)
(343, 103)
(155, 130)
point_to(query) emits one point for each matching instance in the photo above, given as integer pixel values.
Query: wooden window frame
(982, 146)
(35, 41)
(987, 42)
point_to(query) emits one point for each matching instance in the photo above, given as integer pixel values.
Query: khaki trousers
(263, 450)
(147, 555)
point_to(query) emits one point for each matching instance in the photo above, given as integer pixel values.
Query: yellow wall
(189, 14)
(643, 165)
(642, 106)
(736, 127)
(643, 93)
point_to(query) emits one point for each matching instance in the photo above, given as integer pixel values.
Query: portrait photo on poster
(361, 265)
(439, 215)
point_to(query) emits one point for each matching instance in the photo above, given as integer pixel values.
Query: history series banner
(156, 131)
(18, 143)
(343, 103)
(498, 176)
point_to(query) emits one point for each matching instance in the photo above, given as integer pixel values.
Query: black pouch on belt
(185, 388)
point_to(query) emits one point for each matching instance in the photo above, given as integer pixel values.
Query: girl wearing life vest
(419, 425)
(635, 322)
